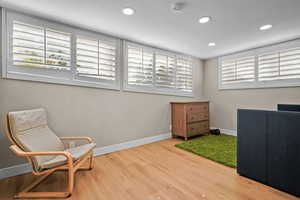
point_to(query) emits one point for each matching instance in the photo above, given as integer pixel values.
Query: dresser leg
(185, 138)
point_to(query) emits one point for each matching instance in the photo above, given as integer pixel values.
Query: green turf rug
(219, 148)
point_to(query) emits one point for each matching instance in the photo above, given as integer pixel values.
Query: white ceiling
(234, 26)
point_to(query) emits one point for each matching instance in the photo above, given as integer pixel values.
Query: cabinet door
(284, 151)
(251, 146)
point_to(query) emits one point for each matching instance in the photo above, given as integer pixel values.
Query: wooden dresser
(190, 118)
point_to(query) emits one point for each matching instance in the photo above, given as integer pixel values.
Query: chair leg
(32, 195)
(25, 194)
(91, 161)
(91, 164)
(71, 174)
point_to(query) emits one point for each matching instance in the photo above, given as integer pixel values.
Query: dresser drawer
(197, 128)
(201, 107)
(197, 116)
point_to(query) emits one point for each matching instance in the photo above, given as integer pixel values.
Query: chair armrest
(88, 139)
(20, 152)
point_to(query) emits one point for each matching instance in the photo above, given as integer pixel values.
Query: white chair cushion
(30, 130)
(76, 152)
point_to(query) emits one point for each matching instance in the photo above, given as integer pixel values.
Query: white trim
(153, 91)
(26, 168)
(226, 131)
(15, 170)
(49, 79)
(134, 143)
(3, 43)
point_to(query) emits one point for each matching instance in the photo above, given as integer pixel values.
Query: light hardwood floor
(157, 171)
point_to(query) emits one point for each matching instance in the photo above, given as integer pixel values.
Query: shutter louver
(290, 64)
(140, 66)
(238, 71)
(37, 47)
(184, 78)
(96, 58)
(165, 71)
(28, 45)
(279, 66)
(58, 48)
(268, 67)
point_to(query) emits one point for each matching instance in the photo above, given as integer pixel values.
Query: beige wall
(224, 103)
(108, 116)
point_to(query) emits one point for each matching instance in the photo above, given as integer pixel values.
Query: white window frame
(256, 52)
(153, 89)
(52, 75)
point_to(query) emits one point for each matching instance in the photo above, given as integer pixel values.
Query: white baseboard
(15, 170)
(26, 168)
(226, 131)
(134, 143)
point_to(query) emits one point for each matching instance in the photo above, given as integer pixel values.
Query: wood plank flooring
(157, 171)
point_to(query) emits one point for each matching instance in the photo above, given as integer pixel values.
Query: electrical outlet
(170, 127)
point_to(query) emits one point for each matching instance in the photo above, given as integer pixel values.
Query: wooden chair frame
(71, 167)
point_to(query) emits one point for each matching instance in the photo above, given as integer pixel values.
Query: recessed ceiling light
(211, 44)
(265, 27)
(128, 11)
(178, 6)
(204, 19)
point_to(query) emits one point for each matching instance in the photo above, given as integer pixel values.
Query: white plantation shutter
(46, 51)
(270, 66)
(279, 65)
(38, 47)
(238, 70)
(156, 71)
(165, 71)
(290, 64)
(184, 78)
(96, 58)
(140, 66)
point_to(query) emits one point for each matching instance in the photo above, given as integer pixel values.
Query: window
(96, 58)
(282, 65)
(184, 74)
(40, 50)
(152, 70)
(140, 66)
(37, 47)
(238, 70)
(165, 71)
(272, 66)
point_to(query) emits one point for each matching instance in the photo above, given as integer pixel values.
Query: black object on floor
(268, 148)
(215, 131)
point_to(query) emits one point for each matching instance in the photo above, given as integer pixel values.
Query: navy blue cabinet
(269, 148)
(251, 160)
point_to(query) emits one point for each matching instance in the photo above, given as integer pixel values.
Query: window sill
(261, 85)
(58, 80)
(160, 92)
